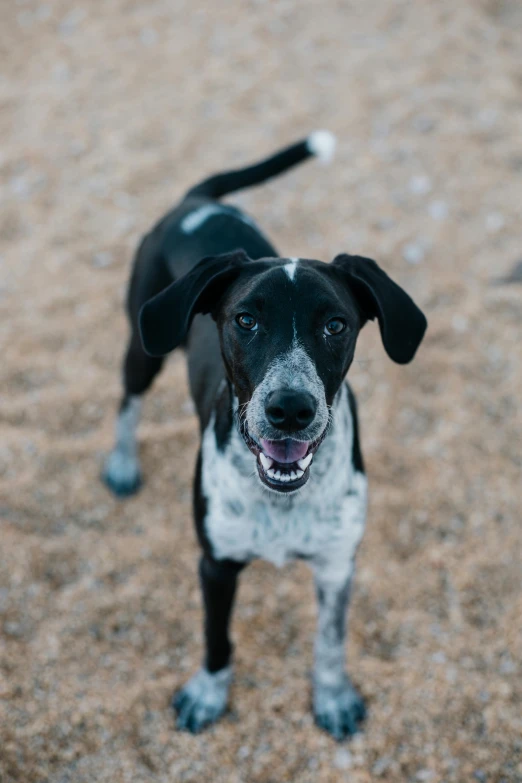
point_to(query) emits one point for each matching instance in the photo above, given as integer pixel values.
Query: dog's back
(200, 225)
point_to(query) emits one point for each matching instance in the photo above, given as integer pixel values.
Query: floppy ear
(401, 322)
(165, 319)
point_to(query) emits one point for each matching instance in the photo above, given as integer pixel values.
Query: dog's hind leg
(121, 472)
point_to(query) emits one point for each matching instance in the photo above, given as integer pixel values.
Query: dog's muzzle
(283, 465)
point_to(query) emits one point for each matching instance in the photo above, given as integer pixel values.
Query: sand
(107, 113)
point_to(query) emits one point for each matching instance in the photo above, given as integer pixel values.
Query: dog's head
(288, 330)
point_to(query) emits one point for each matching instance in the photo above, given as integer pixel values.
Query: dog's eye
(334, 326)
(247, 321)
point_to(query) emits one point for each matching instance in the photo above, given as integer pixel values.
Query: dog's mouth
(283, 465)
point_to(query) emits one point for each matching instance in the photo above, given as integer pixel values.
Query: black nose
(290, 410)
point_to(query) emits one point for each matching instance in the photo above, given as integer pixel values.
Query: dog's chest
(323, 520)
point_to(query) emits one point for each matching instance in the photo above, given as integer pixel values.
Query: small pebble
(72, 20)
(20, 187)
(487, 118)
(61, 72)
(494, 222)
(13, 629)
(420, 184)
(124, 224)
(148, 36)
(25, 18)
(122, 200)
(188, 407)
(385, 223)
(438, 209)
(343, 759)
(425, 774)
(43, 13)
(413, 252)
(508, 666)
(423, 123)
(77, 147)
(102, 259)
(460, 323)
(381, 765)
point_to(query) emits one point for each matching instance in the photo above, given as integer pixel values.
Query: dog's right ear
(165, 319)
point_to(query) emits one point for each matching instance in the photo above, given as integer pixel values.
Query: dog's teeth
(303, 463)
(265, 461)
(279, 475)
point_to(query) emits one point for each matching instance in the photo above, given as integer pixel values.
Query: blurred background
(108, 112)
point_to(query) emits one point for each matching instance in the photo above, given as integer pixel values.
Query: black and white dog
(279, 473)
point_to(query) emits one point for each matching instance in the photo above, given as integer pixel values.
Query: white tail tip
(322, 144)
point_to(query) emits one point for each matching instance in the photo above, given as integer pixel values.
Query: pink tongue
(285, 451)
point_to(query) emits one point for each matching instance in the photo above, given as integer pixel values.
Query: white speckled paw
(121, 473)
(338, 709)
(202, 700)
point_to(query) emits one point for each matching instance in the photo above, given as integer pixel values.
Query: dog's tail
(320, 144)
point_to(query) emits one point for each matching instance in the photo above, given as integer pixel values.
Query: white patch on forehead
(194, 220)
(291, 268)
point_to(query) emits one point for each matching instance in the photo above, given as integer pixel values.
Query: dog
(279, 473)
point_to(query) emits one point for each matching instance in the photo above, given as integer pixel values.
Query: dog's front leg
(338, 707)
(204, 698)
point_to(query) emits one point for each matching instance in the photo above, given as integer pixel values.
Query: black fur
(357, 457)
(218, 583)
(166, 318)
(229, 181)
(401, 322)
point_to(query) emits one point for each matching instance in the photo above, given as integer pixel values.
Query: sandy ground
(107, 112)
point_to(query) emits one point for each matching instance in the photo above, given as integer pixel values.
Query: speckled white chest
(323, 521)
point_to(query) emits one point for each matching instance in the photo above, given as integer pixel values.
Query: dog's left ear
(401, 323)
(165, 319)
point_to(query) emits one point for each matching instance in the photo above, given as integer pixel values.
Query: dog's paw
(202, 700)
(338, 709)
(121, 474)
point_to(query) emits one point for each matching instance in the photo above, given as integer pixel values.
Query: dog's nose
(290, 410)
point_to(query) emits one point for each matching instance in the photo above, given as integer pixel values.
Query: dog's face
(288, 330)
(288, 336)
